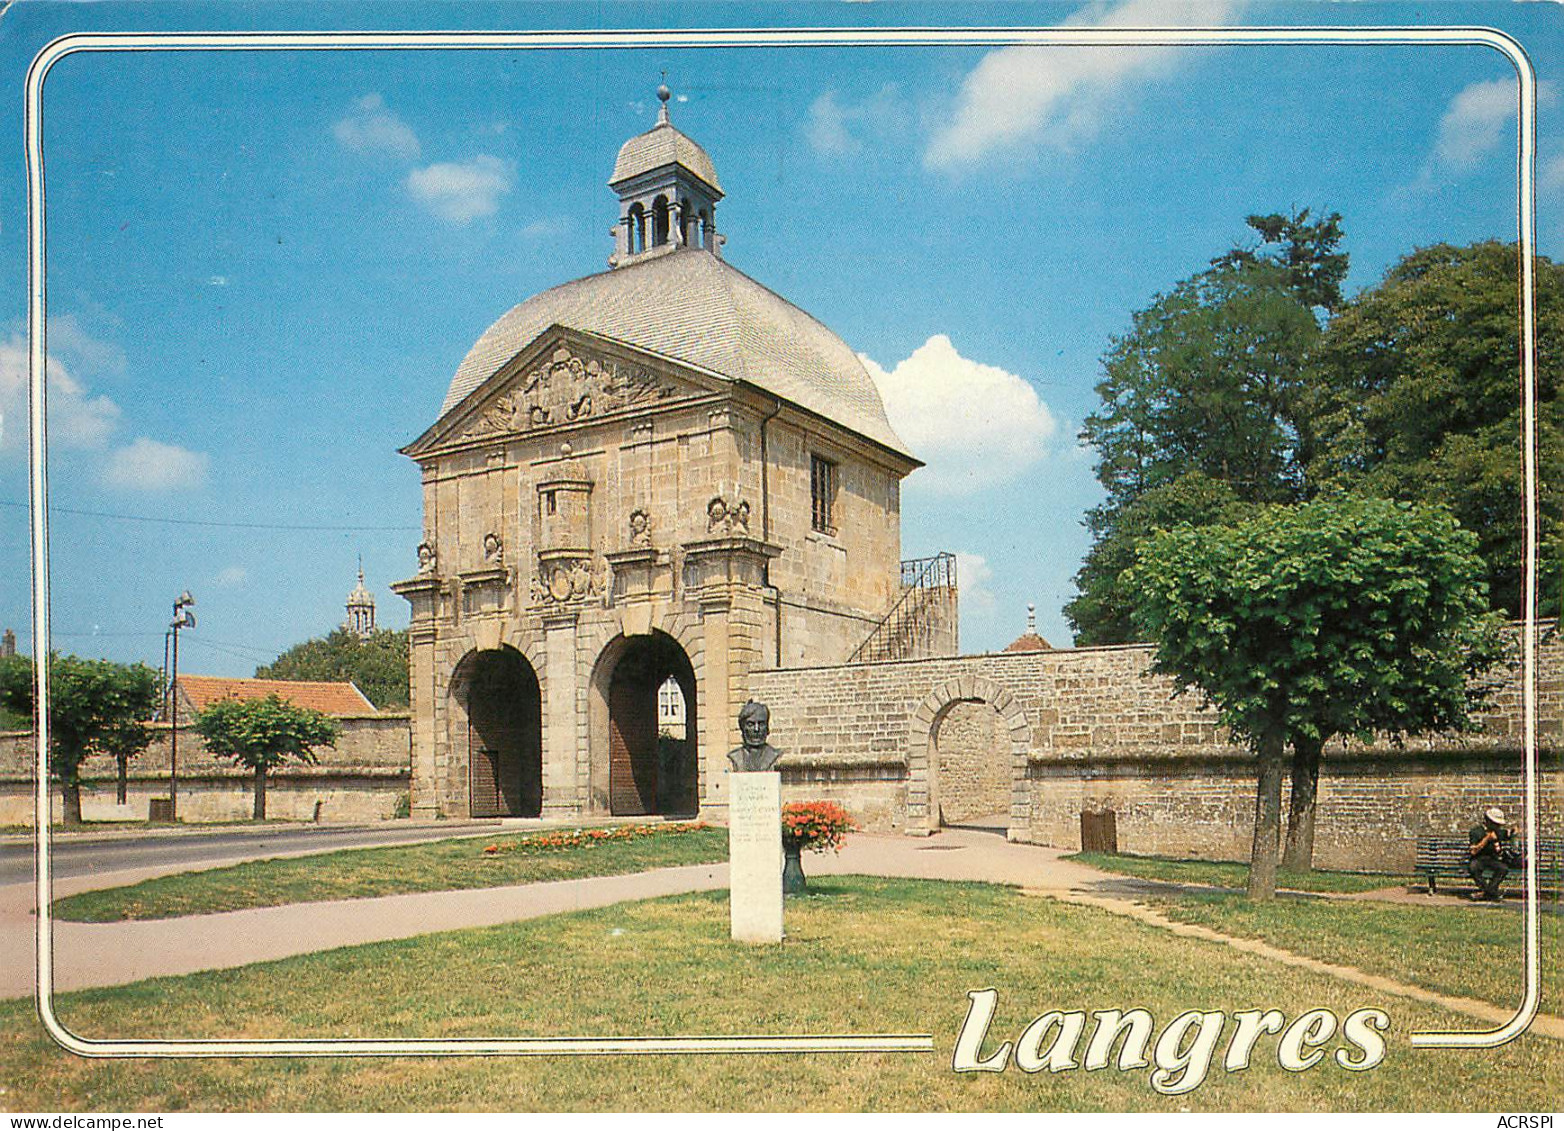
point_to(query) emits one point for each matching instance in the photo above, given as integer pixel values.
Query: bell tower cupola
(668, 193)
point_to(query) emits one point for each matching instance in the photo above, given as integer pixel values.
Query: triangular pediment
(565, 378)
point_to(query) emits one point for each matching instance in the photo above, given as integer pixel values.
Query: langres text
(1182, 1054)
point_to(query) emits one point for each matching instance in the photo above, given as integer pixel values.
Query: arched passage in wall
(971, 760)
(498, 723)
(1009, 733)
(639, 767)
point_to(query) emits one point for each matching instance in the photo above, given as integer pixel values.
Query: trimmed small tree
(263, 734)
(1344, 616)
(95, 707)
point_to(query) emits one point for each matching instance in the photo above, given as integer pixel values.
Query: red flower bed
(816, 825)
(556, 839)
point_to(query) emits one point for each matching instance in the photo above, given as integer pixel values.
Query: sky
(264, 267)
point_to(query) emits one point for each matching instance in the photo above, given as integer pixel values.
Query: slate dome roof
(660, 146)
(692, 307)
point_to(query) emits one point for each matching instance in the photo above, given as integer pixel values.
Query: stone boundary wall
(362, 778)
(1093, 730)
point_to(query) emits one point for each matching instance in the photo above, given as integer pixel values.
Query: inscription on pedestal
(755, 856)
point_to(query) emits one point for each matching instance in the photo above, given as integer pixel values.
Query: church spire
(361, 607)
(668, 193)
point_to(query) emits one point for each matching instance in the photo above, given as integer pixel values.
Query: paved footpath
(108, 954)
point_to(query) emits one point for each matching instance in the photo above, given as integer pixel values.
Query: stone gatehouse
(645, 484)
(660, 490)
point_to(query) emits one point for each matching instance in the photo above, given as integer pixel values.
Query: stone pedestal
(755, 856)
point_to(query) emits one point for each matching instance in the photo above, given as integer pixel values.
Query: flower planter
(792, 868)
(815, 825)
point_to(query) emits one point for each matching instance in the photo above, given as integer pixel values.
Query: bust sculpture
(756, 755)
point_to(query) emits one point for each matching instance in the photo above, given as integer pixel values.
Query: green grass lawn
(446, 865)
(1468, 950)
(1229, 875)
(863, 955)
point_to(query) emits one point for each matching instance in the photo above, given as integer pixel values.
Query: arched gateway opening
(502, 710)
(651, 763)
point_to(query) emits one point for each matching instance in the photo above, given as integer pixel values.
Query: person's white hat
(1496, 815)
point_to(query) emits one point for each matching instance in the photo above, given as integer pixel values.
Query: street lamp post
(183, 618)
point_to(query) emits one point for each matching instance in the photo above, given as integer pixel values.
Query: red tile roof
(199, 692)
(1029, 642)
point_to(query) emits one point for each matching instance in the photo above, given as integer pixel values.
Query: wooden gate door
(487, 800)
(632, 747)
(504, 739)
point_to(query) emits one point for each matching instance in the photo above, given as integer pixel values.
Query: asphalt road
(85, 855)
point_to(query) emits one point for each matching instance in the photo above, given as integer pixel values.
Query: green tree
(1309, 253)
(1343, 616)
(1211, 380)
(1101, 610)
(95, 707)
(1423, 401)
(377, 664)
(263, 734)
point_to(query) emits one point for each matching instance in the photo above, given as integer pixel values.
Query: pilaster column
(559, 735)
(716, 708)
(424, 786)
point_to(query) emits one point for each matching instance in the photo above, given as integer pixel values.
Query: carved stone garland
(566, 389)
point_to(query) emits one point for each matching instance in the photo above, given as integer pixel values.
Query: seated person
(1489, 841)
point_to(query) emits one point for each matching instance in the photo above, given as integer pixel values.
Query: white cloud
(70, 341)
(837, 128)
(1475, 123)
(546, 227)
(370, 128)
(77, 419)
(1478, 122)
(1058, 96)
(461, 192)
(1550, 178)
(150, 465)
(230, 577)
(218, 281)
(975, 425)
(973, 595)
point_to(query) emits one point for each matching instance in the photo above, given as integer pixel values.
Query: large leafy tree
(263, 734)
(1424, 401)
(1342, 616)
(1210, 381)
(1102, 609)
(1309, 251)
(95, 707)
(377, 663)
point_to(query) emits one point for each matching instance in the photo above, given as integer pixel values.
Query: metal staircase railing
(920, 615)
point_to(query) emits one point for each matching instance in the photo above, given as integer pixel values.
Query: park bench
(1448, 856)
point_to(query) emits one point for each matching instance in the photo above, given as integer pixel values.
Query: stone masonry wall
(1096, 731)
(362, 778)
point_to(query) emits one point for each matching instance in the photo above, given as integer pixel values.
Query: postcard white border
(782, 37)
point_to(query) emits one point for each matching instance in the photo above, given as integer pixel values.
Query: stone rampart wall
(1092, 730)
(362, 778)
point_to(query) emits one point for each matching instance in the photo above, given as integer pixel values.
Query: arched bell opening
(636, 236)
(660, 212)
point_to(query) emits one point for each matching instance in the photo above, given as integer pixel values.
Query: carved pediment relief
(566, 388)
